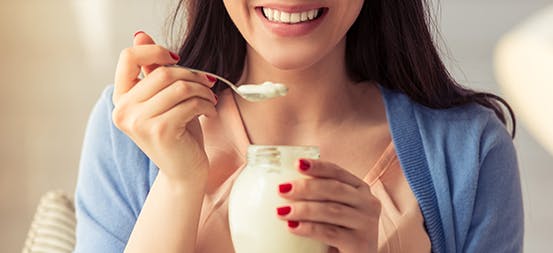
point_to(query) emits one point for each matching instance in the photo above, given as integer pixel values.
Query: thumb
(142, 38)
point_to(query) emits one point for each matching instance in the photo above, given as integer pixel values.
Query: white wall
(54, 62)
(49, 82)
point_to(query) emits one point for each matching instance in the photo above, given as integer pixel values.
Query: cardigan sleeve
(497, 223)
(105, 214)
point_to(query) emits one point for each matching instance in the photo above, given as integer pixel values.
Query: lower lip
(290, 30)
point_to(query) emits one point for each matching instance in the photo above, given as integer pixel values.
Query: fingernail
(216, 98)
(211, 78)
(284, 188)
(304, 165)
(293, 224)
(284, 210)
(174, 56)
(137, 33)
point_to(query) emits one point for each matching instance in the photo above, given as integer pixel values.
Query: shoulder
(471, 126)
(467, 151)
(466, 161)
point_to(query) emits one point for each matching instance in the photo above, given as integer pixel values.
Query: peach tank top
(401, 225)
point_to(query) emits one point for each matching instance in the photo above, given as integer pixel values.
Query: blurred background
(57, 56)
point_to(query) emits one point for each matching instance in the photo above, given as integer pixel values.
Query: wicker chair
(53, 226)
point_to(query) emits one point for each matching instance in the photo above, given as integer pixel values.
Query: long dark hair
(390, 42)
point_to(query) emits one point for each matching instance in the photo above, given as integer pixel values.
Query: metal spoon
(250, 92)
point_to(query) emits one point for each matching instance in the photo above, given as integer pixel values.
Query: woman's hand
(160, 112)
(334, 207)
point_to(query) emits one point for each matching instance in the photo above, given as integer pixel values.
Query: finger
(132, 59)
(163, 77)
(183, 113)
(331, 235)
(320, 189)
(142, 38)
(322, 169)
(322, 212)
(175, 94)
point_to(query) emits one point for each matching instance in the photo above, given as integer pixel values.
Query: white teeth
(295, 17)
(304, 16)
(289, 18)
(311, 14)
(268, 13)
(276, 15)
(284, 17)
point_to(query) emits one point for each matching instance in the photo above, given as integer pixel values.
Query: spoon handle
(229, 83)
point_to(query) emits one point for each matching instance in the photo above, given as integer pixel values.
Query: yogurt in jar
(253, 200)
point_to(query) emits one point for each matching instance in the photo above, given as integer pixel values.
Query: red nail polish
(284, 210)
(174, 56)
(284, 188)
(216, 98)
(293, 224)
(137, 33)
(304, 165)
(210, 78)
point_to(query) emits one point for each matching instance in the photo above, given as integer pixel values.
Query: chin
(291, 59)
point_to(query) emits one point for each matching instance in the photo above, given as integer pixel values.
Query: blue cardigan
(459, 162)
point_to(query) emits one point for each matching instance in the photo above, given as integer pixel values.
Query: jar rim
(283, 146)
(307, 151)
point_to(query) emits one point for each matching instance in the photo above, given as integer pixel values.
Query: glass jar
(254, 198)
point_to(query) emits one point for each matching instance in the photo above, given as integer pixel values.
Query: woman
(410, 161)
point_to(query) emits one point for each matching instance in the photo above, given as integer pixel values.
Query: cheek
(349, 14)
(238, 12)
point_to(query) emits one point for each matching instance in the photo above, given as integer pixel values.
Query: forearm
(169, 219)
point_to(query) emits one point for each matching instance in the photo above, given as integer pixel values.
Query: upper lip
(291, 8)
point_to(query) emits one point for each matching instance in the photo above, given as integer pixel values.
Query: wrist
(193, 183)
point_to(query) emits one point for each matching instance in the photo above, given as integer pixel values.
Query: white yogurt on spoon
(259, 92)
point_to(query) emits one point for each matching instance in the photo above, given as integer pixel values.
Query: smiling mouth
(279, 16)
